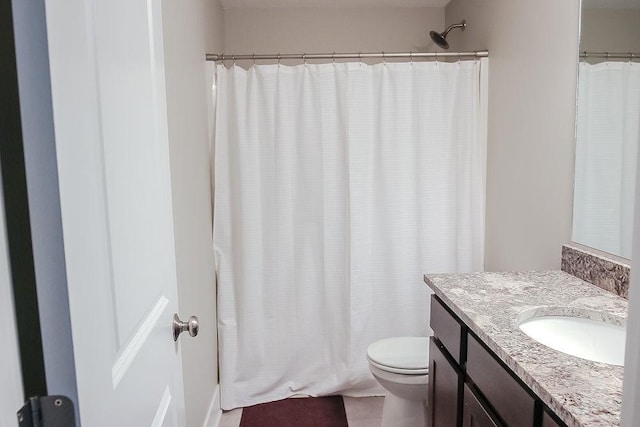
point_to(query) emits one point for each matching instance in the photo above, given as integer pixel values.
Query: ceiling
(229, 4)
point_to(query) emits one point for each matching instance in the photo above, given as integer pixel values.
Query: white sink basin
(589, 339)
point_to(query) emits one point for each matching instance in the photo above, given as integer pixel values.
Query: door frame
(34, 225)
(19, 238)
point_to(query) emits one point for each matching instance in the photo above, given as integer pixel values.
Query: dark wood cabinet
(508, 398)
(474, 413)
(445, 382)
(470, 387)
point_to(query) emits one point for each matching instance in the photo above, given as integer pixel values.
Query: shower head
(441, 38)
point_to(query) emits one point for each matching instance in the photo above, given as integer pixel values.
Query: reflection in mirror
(608, 125)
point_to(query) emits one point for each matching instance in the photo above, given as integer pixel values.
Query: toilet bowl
(401, 366)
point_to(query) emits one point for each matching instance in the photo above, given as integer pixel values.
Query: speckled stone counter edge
(608, 274)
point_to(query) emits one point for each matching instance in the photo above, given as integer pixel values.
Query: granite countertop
(579, 391)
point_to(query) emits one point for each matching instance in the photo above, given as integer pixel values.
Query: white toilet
(401, 366)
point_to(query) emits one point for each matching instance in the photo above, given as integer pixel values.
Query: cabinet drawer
(508, 398)
(447, 328)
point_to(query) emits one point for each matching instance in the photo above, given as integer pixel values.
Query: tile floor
(361, 412)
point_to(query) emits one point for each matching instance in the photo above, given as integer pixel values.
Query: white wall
(318, 30)
(191, 29)
(610, 30)
(631, 384)
(532, 95)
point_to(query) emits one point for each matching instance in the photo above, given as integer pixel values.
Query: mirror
(607, 125)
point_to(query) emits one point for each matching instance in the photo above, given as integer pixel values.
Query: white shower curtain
(337, 187)
(608, 133)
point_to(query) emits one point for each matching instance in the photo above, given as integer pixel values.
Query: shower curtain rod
(610, 55)
(357, 55)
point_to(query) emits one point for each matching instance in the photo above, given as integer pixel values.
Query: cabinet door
(445, 388)
(474, 414)
(549, 421)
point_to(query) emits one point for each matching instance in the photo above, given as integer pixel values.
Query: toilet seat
(401, 371)
(401, 355)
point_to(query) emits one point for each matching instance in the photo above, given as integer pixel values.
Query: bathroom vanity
(485, 371)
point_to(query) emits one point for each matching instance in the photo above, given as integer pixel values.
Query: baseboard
(214, 415)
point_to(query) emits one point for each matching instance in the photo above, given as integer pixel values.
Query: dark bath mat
(297, 412)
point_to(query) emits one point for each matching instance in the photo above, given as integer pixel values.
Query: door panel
(108, 93)
(131, 127)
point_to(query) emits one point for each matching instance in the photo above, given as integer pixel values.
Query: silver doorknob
(190, 325)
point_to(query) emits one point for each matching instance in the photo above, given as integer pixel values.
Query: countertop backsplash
(606, 273)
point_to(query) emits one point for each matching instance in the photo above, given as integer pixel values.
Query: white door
(108, 91)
